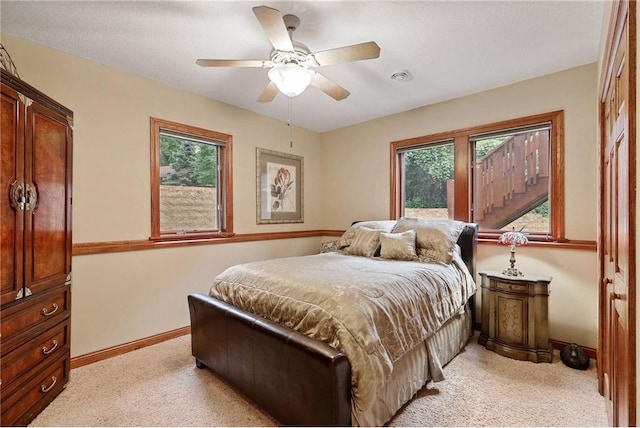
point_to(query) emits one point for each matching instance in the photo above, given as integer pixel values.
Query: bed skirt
(412, 371)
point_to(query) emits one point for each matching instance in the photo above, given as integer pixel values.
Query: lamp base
(512, 271)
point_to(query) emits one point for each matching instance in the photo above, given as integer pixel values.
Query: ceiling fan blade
(367, 50)
(329, 87)
(273, 25)
(231, 63)
(269, 93)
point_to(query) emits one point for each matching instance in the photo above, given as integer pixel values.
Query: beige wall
(357, 186)
(122, 297)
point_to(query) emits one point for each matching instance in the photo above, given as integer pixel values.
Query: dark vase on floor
(575, 357)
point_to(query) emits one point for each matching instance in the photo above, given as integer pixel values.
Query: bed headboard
(468, 242)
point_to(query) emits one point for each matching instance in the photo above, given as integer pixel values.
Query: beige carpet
(160, 386)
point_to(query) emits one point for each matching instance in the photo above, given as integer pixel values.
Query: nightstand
(515, 316)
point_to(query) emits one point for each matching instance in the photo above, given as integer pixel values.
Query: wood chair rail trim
(85, 248)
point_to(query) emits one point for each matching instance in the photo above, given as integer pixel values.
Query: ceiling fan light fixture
(291, 79)
(292, 64)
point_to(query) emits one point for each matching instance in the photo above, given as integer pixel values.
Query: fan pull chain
(289, 124)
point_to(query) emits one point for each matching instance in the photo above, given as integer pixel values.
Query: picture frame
(279, 187)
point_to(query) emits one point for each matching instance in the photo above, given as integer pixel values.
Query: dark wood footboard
(297, 380)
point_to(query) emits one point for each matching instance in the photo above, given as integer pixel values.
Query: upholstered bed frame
(296, 379)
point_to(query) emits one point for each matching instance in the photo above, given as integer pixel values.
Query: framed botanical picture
(279, 187)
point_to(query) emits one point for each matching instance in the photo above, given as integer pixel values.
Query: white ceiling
(451, 48)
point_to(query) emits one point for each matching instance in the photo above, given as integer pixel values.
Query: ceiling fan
(290, 63)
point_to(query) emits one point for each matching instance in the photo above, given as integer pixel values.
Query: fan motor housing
(301, 56)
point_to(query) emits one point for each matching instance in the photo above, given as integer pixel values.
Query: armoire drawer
(40, 350)
(23, 404)
(53, 306)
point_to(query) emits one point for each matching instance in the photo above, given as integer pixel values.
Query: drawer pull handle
(49, 313)
(46, 389)
(46, 351)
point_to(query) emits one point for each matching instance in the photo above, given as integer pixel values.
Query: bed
(259, 330)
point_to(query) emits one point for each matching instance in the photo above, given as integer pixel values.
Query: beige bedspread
(373, 310)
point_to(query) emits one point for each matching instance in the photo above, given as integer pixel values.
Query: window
(191, 187)
(502, 175)
(428, 181)
(512, 180)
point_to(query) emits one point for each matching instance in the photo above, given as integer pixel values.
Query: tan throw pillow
(398, 246)
(329, 246)
(347, 237)
(383, 225)
(436, 239)
(365, 243)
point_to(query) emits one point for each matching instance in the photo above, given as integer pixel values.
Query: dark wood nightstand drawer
(45, 347)
(21, 406)
(510, 287)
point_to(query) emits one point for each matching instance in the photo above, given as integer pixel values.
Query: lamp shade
(291, 79)
(513, 238)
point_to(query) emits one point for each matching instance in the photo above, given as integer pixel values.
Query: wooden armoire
(35, 257)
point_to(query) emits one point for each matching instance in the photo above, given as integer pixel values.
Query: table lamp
(513, 238)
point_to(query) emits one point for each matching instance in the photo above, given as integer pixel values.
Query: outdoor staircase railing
(513, 178)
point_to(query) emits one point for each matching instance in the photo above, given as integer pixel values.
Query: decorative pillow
(328, 246)
(398, 246)
(365, 243)
(384, 225)
(349, 234)
(347, 237)
(436, 239)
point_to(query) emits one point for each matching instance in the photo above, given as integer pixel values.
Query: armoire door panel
(48, 218)
(11, 174)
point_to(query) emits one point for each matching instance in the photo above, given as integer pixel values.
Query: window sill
(545, 243)
(187, 237)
